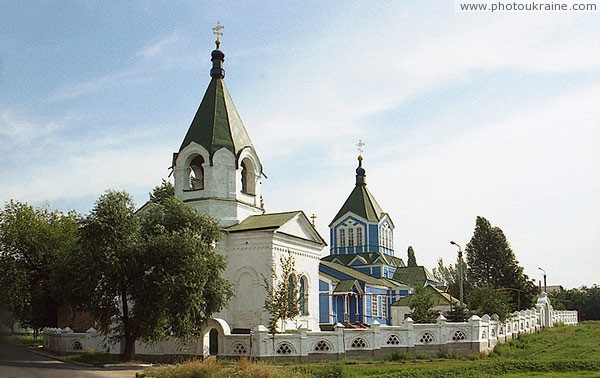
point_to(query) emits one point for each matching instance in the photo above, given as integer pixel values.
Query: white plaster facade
(252, 254)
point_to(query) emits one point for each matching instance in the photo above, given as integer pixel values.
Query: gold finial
(360, 145)
(217, 31)
(313, 217)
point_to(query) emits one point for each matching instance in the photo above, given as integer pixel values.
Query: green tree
(412, 260)
(163, 191)
(585, 300)
(421, 304)
(282, 301)
(491, 261)
(486, 299)
(33, 241)
(148, 275)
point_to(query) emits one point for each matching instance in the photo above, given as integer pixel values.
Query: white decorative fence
(477, 335)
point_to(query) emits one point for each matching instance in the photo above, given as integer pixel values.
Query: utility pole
(460, 273)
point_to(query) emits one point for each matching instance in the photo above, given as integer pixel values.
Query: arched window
(248, 177)
(303, 296)
(197, 173)
(292, 289)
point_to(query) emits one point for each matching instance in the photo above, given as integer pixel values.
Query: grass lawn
(25, 340)
(564, 351)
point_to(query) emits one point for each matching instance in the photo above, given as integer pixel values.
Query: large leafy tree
(282, 301)
(148, 275)
(491, 261)
(33, 242)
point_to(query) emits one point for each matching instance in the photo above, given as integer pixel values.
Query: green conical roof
(361, 202)
(217, 123)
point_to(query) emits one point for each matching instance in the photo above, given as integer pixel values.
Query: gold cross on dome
(217, 31)
(360, 145)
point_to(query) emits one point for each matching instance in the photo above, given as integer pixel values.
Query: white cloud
(164, 45)
(527, 174)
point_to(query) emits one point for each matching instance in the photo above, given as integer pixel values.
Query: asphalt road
(20, 362)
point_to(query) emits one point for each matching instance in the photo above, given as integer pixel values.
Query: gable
(358, 261)
(300, 227)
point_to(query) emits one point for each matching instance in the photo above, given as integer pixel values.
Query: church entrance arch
(213, 341)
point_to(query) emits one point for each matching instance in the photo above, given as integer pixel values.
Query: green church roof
(217, 123)
(440, 298)
(369, 257)
(414, 275)
(264, 221)
(360, 275)
(361, 202)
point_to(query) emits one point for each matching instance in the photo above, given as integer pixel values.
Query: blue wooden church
(362, 277)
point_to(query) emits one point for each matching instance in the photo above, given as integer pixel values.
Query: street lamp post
(460, 273)
(543, 271)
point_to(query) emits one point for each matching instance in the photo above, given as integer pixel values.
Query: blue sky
(463, 114)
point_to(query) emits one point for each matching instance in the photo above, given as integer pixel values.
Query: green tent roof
(217, 123)
(360, 201)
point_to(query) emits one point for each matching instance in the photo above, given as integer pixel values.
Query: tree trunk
(129, 336)
(129, 346)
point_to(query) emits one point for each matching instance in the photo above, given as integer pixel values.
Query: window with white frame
(374, 306)
(359, 236)
(342, 241)
(383, 304)
(350, 237)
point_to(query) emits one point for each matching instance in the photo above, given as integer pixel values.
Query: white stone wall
(477, 335)
(250, 258)
(251, 255)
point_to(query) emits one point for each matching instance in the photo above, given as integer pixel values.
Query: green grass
(25, 340)
(566, 351)
(94, 358)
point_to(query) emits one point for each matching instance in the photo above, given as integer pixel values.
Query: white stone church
(218, 171)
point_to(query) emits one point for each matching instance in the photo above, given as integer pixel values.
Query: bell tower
(217, 170)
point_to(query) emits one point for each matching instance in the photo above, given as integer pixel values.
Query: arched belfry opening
(196, 173)
(248, 176)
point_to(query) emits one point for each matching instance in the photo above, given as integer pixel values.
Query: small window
(382, 302)
(374, 306)
(359, 236)
(351, 237)
(303, 296)
(342, 237)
